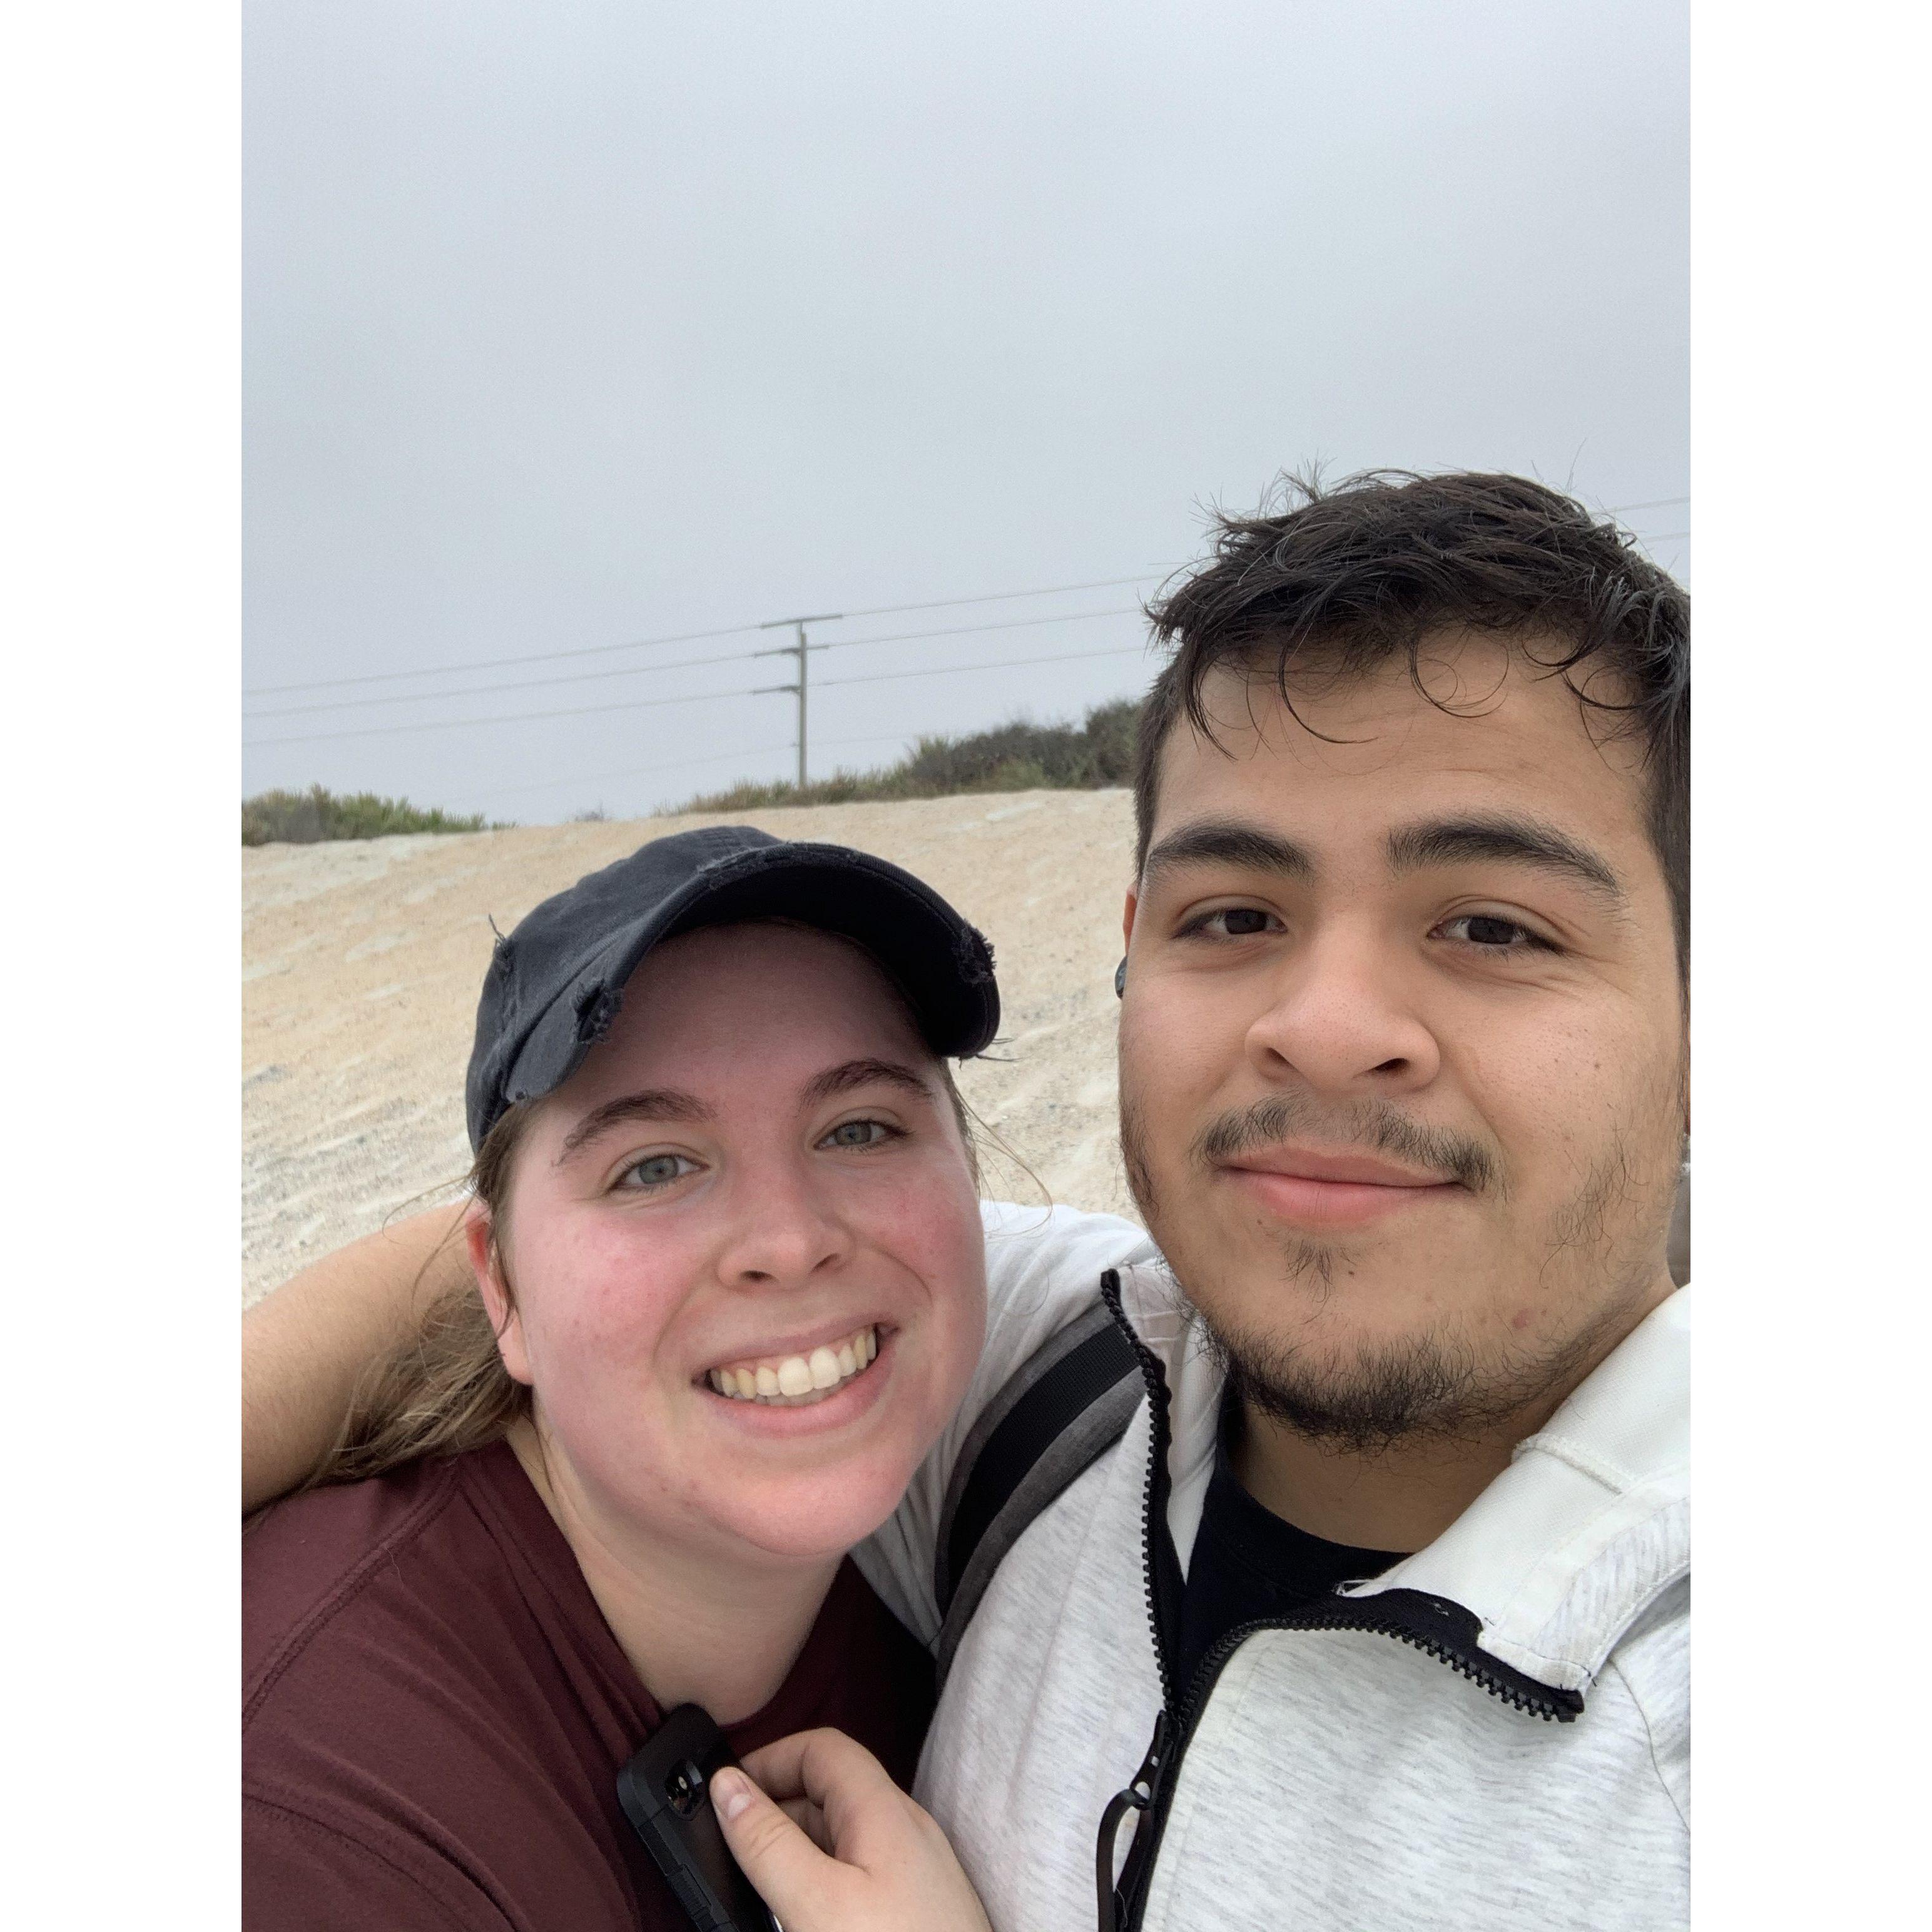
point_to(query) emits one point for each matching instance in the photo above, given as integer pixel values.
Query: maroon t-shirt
(435, 1712)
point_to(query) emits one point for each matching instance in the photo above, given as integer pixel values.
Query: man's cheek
(1171, 1063)
(1525, 1090)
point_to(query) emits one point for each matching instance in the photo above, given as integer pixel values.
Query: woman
(730, 1286)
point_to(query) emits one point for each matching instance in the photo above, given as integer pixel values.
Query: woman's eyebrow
(656, 1103)
(837, 1080)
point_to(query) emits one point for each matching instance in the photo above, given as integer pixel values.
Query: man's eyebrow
(1504, 836)
(854, 1073)
(1227, 841)
(656, 1103)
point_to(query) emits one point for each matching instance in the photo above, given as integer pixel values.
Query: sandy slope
(361, 963)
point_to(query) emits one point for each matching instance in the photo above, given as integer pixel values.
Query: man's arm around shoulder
(306, 1346)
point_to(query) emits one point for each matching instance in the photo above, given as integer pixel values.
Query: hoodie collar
(1588, 1525)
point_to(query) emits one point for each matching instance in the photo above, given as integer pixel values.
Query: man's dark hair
(1344, 581)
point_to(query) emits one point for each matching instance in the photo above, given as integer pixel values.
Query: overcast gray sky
(571, 322)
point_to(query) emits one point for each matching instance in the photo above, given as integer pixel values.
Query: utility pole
(802, 649)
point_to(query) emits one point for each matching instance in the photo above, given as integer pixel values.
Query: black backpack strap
(1070, 1402)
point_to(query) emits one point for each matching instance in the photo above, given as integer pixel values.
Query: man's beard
(1435, 1386)
(1439, 1384)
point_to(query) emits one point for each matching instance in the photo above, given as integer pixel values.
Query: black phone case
(665, 1791)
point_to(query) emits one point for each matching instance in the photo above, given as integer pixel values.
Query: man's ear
(486, 1263)
(1127, 912)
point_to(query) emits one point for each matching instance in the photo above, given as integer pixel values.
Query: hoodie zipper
(1403, 1614)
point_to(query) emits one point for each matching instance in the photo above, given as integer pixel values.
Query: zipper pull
(1137, 1796)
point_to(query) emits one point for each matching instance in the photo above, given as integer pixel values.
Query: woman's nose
(785, 1232)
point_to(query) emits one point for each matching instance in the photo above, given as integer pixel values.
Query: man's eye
(858, 1134)
(1492, 931)
(1232, 923)
(658, 1170)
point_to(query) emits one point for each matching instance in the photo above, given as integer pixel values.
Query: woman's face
(755, 1180)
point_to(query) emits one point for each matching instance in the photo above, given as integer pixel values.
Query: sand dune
(361, 961)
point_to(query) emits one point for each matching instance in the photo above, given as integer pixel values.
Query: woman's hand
(843, 1849)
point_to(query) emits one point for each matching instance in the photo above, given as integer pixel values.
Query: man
(1376, 1615)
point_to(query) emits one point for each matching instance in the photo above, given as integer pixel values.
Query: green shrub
(307, 817)
(1020, 756)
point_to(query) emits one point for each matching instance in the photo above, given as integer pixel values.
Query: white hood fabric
(1332, 1778)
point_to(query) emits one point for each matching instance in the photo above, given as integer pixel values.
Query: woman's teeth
(791, 1381)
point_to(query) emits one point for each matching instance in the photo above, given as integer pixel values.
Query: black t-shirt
(1248, 1564)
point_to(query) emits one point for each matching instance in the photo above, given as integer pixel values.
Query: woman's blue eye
(658, 1170)
(859, 1133)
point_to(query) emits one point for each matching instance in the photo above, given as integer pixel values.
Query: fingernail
(731, 1792)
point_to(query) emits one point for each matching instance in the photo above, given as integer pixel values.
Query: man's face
(1402, 1044)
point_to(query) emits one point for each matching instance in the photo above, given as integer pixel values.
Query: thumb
(793, 1876)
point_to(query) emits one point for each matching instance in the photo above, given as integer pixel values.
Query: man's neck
(696, 1630)
(1399, 1499)
(1401, 1496)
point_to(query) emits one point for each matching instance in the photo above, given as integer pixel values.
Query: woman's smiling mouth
(797, 1380)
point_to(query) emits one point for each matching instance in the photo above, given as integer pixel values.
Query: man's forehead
(1369, 751)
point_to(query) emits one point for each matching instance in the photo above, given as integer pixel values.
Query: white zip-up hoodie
(1493, 1734)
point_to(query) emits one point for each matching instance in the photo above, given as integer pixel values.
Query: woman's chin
(814, 1519)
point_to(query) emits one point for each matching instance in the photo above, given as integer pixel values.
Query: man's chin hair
(1430, 1388)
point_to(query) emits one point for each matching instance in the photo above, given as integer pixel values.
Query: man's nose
(1340, 1018)
(784, 1231)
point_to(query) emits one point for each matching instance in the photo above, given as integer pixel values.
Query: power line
(735, 657)
(740, 630)
(683, 637)
(693, 697)
(1004, 596)
(974, 630)
(676, 664)
(999, 663)
(512, 684)
(938, 670)
(495, 663)
(513, 717)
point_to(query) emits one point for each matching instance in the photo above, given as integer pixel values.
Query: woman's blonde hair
(445, 1390)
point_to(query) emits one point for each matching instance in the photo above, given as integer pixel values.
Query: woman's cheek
(960, 1279)
(604, 1306)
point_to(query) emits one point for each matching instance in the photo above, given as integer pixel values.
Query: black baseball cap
(555, 981)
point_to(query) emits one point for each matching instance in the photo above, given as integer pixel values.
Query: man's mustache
(1373, 1127)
